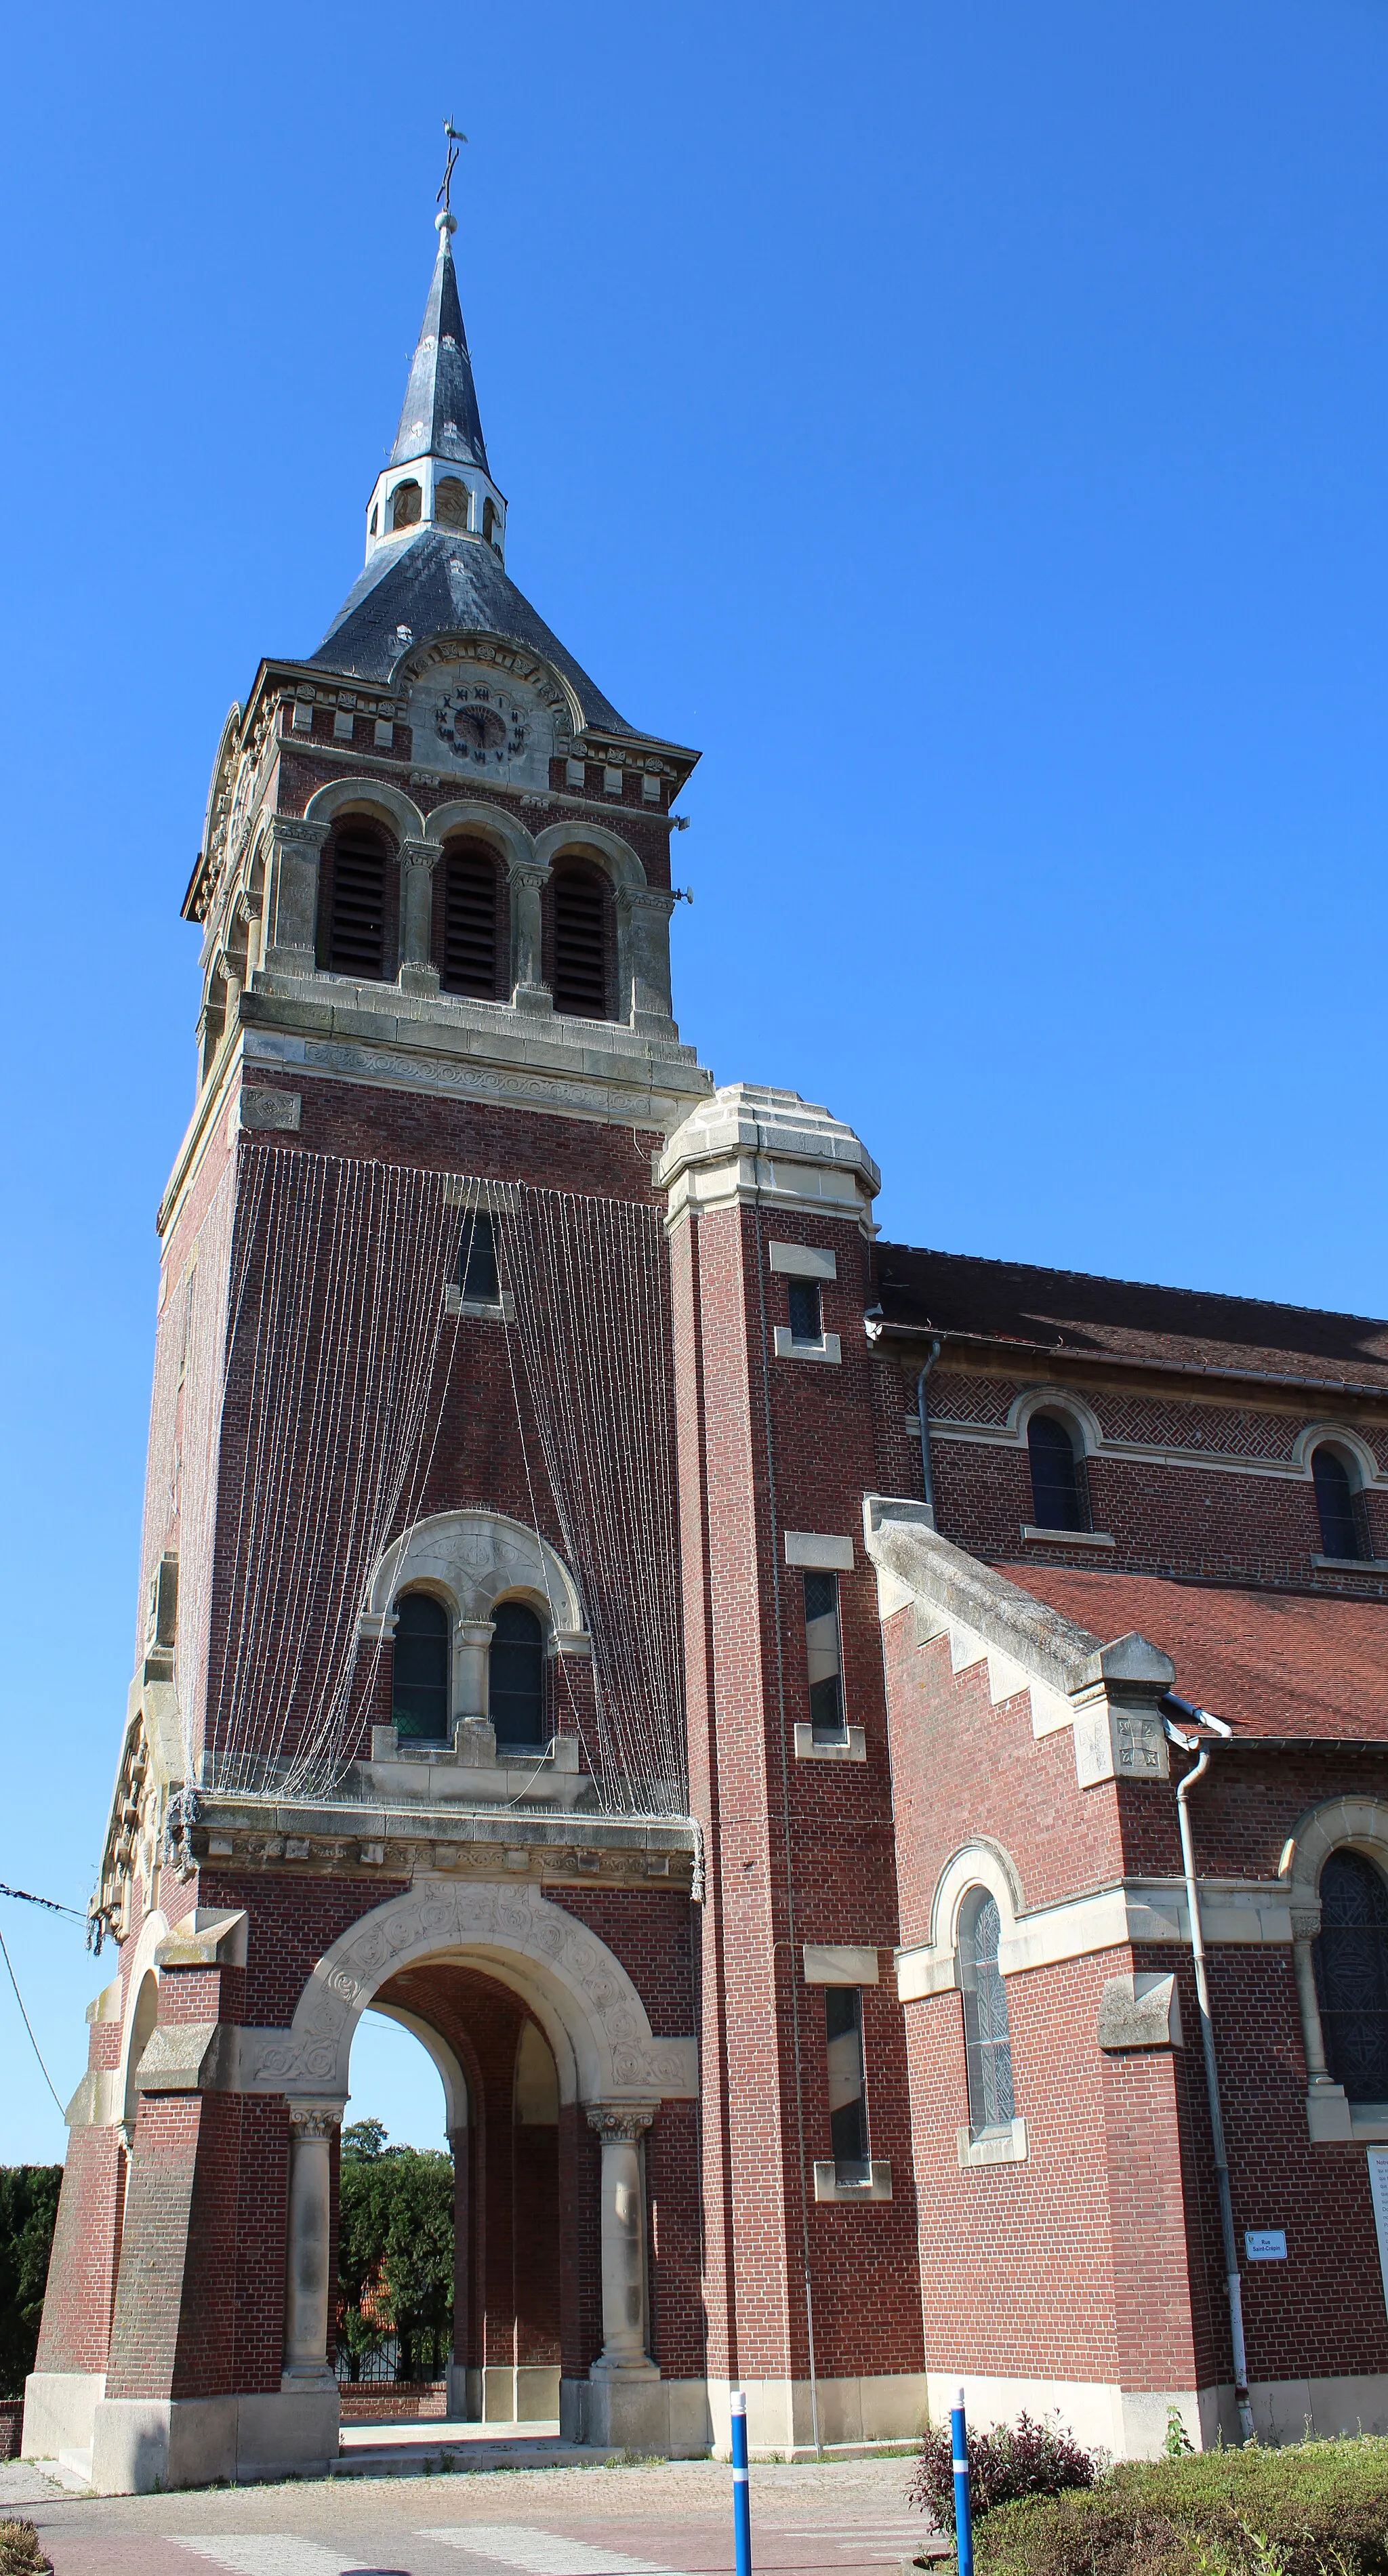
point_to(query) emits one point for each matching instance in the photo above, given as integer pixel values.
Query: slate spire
(440, 415)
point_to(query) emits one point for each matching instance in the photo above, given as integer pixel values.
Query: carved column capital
(314, 2119)
(297, 830)
(1306, 1922)
(624, 2121)
(532, 873)
(420, 854)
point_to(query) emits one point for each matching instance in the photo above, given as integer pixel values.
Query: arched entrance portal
(527, 2013)
(501, 2090)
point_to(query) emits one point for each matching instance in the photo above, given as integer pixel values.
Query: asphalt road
(844, 2518)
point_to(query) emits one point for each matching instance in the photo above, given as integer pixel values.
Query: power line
(19, 1999)
(48, 1903)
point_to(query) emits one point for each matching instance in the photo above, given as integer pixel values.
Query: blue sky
(967, 425)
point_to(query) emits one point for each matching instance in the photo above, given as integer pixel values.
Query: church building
(866, 1769)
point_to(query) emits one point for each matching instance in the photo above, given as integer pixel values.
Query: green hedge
(1310, 2509)
(28, 2208)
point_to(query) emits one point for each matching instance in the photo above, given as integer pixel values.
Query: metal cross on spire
(454, 138)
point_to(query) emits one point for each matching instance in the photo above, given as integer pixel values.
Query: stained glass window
(1352, 1975)
(988, 2047)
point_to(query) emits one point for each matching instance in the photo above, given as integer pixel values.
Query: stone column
(291, 894)
(1327, 2104)
(472, 1638)
(459, 2396)
(306, 2285)
(621, 2127)
(529, 991)
(418, 973)
(643, 938)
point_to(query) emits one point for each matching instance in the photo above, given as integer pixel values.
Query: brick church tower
(478, 1535)
(738, 1690)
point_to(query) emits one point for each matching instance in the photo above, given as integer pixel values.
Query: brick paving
(848, 2517)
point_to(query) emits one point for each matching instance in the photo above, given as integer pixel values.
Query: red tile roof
(1270, 1663)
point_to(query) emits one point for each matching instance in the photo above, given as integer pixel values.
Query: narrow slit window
(848, 2129)
(477, 1271)
(824, 1657)
(806, 1311)
(516, 1688)
(1057, 1499)
(1335, 1504)
(419, 1669)
(987, 2041)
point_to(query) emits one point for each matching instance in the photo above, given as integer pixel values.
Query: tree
(394, 2250)
(28, 2211)
(361, 2140)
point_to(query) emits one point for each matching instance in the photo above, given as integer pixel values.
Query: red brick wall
(1188, 1519)
(798, 1852)
(1100, 2256)
(200, 2294)
(76, 2329)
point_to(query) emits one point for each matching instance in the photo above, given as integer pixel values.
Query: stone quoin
(707, 1671)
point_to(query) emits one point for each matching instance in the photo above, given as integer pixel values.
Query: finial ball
(445, 223)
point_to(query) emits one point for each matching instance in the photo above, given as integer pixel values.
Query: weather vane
(454, 139)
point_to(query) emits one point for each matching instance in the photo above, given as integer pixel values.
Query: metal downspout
(1233, 2282)
(923, 1418)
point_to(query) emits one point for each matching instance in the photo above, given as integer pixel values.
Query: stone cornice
(327, 1836)
(1131, 1913)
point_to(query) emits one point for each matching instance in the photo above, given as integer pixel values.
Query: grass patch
(1309, 2509)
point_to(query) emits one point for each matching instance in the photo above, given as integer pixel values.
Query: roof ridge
(1112, 1279)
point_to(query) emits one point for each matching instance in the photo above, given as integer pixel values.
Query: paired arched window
(420, 1675)
(1337, 1506)
(1057, 1478)
(419, 1692)
(354, 887)
(1352, 1974)
(580, 940)
(516, 1691)
(467, 928)
(406, 502)
(987, 2045)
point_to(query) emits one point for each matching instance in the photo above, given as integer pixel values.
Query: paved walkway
(673, 2518)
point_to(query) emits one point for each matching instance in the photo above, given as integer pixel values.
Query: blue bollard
(742, 2510)
(963, 2517)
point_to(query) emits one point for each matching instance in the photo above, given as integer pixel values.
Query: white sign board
(1265, 2244)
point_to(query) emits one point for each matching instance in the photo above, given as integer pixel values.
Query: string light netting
(184, 1435)
(340, 1357)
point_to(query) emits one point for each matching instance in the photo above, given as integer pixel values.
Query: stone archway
(612, 2074)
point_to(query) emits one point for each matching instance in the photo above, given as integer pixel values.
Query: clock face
(483, 726)
(486, 710)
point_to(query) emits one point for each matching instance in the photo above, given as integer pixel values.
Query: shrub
(1310, 2509)
(20, 2554)
(1021, 2459)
